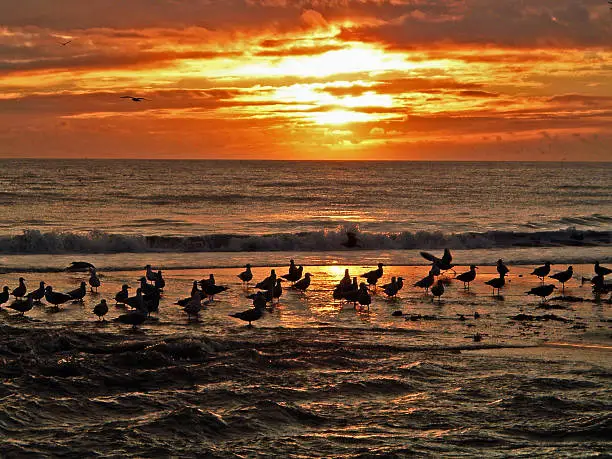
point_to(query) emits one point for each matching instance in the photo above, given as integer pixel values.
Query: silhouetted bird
(277, 291)
(149, 274)
(542, 291)
(601, 270)
(563, 277)
(122, 294)
(4, 295)
(437, 290)
(497, 283)
(542, 271)
(303, 284)
(150, 302)
(467, 277)
(134, 99)
(391, 289)
(21, 290)
(80, 266)
(444, 263)
(133, 318)
(78, 293)
(363, 296)
(292, 267)
(39, 293)
(56, 298)
(159, 281)
(600, 286)
(147, 289)
(294, 276)
(351, 240)
(64, 43)
(251, 315)
(211, 290)
(373, 276)
(268, 283)
(136, 301)
(193, 307)
(22, 306)
(94, 281)
(100, 309)
(502, 268)
(246, 276)
(426, 282)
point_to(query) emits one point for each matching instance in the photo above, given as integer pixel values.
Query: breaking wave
(36, 242)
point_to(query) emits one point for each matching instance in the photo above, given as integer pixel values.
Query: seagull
(147, 288)
(211, 290)
(443, 263)
(392, 288)
(4, 295)
(193, 306)
(64, 43)
(136, 301)
(251, 315)
(399, 282)
(602, 270)
(134, 99)
(542, 271)
(304, 283)
(20, 291)
(563, 277)
(294, 276)
(542, 291)
(502, 268)
(78, 293)
(56, 298)
(122, 294)
(363, 296)
(133, 318)
(373, 276)
(437, 291)
(195, 292)
(22, 305)
(268, 283)
(246, 276)
(100, 309)
(159, 282)
(497, 282)
(150, 275)
(277, 291)
(39, 293)
(426, 282)
(94, 280)
(467, 277)
(292, 267)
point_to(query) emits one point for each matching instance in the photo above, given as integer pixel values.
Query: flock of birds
(269, 290)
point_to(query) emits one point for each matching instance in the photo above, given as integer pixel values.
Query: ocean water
(314, 377)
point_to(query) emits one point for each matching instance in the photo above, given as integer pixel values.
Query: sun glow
(336, 117)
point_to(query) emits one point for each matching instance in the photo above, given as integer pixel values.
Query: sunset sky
(318, 79)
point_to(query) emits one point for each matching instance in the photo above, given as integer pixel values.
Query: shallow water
(313, 377)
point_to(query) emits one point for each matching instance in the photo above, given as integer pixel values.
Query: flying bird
(134, 99)
(64, 43)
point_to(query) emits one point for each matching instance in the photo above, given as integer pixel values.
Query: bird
(22, 306)
(277, 291)
(467, 277)
(195, 293)
(78, 293)
(134, 99)
(147, 288)
(150, 275)
(4, 295)
(133, 318)
(373, 276)
(94, 280)
(303, 284)
(601, 270)
(56, 298)
(497, 283)
(294, 276)
(443, 263)
(502, 268)
(64, 43)
(251, 315)
(391, 289)
(426, 282)
(135, 301)
(159, 282)
(20, 291)
(246, 276)
(100, 309)
(268, 283)
(542, 291)
(151, 302)
(345, 283)
(292, 267)
(542, 271)
(363, 296)
(193, 306)
(599, 285)
(80, 266)
(39, 293)
(349, 293)
(563, 277)
(122, 294)
(211, 290)
(399, 282)
(437, 290)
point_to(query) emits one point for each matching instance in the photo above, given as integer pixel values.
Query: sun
(336, 117)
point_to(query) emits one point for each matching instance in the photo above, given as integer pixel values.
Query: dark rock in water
(524, 317)
(397, 313)
(568, 299)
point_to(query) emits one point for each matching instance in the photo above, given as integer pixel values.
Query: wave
(37, 242)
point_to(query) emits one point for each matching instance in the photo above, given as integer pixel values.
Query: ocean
(314, 377)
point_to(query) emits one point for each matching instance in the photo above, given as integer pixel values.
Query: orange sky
(316, 79)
